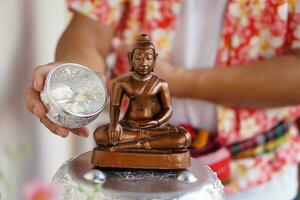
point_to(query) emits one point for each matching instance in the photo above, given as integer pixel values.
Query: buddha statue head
(142, 56)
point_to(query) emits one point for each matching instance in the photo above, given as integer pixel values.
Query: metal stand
(79, 179)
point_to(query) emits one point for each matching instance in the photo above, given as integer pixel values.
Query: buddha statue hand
(143, 124)
(149, 124)
(114, 133)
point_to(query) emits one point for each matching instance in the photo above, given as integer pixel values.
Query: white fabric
(195, 47)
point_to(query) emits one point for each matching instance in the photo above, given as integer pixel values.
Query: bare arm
(115, 130)
(84, 41)
(115, 103)
(272, 82)
(269, 83)
(166, 109)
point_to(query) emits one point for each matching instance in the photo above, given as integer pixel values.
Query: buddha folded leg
(167, 137)
(176, 140)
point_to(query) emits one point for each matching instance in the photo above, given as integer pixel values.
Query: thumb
(120, 46)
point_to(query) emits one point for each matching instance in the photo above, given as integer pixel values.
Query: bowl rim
(48, 79)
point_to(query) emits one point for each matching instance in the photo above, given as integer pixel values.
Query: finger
(119, 135)
(82, 131)
(54, 128)
(116, 136)
(33, 103)
(113, 138)
(39, 75)
(109, 137)
(120, 47)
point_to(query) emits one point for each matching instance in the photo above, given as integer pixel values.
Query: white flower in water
(62, 93)
(76, 108)
(81, 97)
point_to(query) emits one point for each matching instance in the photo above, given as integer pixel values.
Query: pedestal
(78, 179)
(141, 160)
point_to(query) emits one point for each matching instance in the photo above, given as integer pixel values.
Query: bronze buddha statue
(144, 126)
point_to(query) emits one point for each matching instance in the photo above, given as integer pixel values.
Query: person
(233, 66)
(145, 122)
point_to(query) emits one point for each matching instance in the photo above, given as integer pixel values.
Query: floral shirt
(252, 30)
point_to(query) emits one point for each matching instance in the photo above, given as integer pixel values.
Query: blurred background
(29, 32)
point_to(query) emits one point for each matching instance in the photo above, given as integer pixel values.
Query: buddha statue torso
(143, 103)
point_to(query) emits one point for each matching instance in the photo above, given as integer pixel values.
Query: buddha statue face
(142, 57)
(143, 61)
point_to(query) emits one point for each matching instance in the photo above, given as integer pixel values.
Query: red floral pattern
(253, 30)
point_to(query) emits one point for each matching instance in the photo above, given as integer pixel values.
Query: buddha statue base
(140, 159)
(77, 178)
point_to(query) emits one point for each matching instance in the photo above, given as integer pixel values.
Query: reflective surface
(74, 95)
(77, 179)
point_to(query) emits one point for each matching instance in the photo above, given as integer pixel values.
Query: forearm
(269, 83)
(81, 52)
(164, 116)
(85, 42)
(114, 114)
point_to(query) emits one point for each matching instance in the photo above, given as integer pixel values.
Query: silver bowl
(73, 95)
